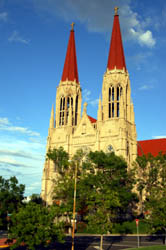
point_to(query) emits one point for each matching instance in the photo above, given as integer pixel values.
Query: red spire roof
(92, 120)
(116, 54)
(70, 71)
(154, 147)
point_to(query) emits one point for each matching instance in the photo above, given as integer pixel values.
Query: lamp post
(74, 205)
(137, 225)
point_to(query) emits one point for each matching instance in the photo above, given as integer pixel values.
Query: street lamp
(74, 204)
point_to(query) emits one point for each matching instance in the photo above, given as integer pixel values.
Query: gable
(86, 126)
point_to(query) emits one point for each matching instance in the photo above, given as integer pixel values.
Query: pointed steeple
(116, 57)
(70, 71)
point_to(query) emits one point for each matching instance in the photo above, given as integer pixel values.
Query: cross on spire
(72, 26)
(116, 10)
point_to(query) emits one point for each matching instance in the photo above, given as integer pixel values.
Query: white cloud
(20, 155)
(20, 130)
(97, 15)
(159, 136)
(3, 16)
(147, 39)
(87, 98)
(16, 37)
(34, 186)
(143, 37)
(5, 125)
(145, 87)
(4, 121)
(7, 161)
(86, 95)
(94, 102)
(140, 58)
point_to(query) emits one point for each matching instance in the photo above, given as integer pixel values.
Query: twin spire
(116, 58)
(70, 71)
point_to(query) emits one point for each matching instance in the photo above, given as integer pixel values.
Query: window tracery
(114, 97)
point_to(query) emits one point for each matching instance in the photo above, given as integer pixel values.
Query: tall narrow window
(112, 94)
(112, 109)
(117, 109)
(118, 95)
(76, 110)
(72, 110)
(62, 110)
(111, 100)
(67, 111)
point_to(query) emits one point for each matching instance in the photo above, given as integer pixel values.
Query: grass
(149, 248)
(129, 227)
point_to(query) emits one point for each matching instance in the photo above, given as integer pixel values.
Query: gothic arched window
(76, 110)
(69, 104)
(118, 95)
(111, 105)
(62, 111)
(114, 96)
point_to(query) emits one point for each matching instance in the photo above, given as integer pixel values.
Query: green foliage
(112, 197)
(60, 158)
(151, 185)
(156, 205)
(11, 196)
(104, 190)
(36, 199)
(129, 227)
(35, 225)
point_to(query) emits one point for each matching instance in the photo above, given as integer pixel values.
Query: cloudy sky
(33, 41)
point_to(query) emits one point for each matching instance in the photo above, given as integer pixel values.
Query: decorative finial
(85, 107)
(116, 10)
(72, 26)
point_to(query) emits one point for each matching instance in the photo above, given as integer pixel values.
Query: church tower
(68, 97)
(116, 109)
(66, 117)
(114, 129)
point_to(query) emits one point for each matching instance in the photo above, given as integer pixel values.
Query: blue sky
(33, 42)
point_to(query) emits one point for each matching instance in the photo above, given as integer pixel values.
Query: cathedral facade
(114, 129)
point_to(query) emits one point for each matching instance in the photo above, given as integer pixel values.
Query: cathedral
(114, 130)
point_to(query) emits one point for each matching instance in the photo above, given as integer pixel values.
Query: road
(89, 242)
(110, 242)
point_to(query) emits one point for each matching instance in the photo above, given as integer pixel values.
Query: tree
(150, 175)
(155, 200)
(35, 225)
(11, 196)
(104, 190)
(112, 198)
(60, 158)
(36, 199)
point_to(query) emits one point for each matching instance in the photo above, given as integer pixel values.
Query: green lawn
(149, 248)
(129, 227)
